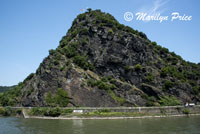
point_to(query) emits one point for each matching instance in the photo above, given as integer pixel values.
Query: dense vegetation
(7, 111)
(12, 96)
(53, 112)
(5, 88)
(59, 99)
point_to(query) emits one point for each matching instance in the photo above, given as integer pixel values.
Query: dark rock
(96, 46)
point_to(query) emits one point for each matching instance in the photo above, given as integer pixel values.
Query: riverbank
(110, 112)
(108, 118)
(70, 113)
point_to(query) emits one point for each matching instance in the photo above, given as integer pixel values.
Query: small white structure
(186, 104)
(189, 104)
(77, 111)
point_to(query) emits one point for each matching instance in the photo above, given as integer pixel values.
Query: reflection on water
(78, 123)
(78, 126)
(175, 125)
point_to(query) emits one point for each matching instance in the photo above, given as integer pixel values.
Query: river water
(169, 125)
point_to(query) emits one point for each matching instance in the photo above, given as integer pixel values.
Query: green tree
(61, 97)
(49, 99)
(89, 10)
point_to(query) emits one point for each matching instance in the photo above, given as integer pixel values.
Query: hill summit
(100, 62)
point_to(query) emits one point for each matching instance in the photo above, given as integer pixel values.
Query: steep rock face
(103, 63)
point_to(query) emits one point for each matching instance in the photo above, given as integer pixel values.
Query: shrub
(112, 86)
(2, 111)
(154, 43)
(67, 111)
(186, 111)
(150, 77)
(138, 67)
(19, 111)
(60, 98)
(81, 61)
(8, 111)
(150, 100)
(172, 59)
(81, 16)
(89, 10)
(49, 99)
(168, 84)
(62, 68)
(70, 51)
(29, 77)
(127, 68)
(120, 26)
(196, 90)
(169, 101)
(113, 81)
(84, 41)
(91, 66)
(116, 98)
(177, 56)
(104, 79)
(64, 41)
(164, 50)
(74, 32)
(103, 86)
(143, 35)
(51, 51)
(189, 75)
(110, 32)
(91, 83)
(84, 31)
(129, 29)
(172, 71)
(104, 110)
(37, 111)
(107, 19)
(53, 112)
(149, 103)
(57, 56)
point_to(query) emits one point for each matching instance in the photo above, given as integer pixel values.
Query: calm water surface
(170, 125)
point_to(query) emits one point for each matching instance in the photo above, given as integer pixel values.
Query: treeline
(5, 88)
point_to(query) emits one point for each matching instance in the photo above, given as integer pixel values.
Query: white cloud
(157, 7)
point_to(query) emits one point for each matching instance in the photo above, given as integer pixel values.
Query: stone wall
(170, 110)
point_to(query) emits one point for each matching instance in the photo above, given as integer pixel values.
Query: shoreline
(116, 113)
(99, 113)
(108, 118)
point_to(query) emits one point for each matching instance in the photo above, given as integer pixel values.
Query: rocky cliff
(100, 62)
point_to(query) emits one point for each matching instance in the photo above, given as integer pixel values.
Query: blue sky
(29, 28)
